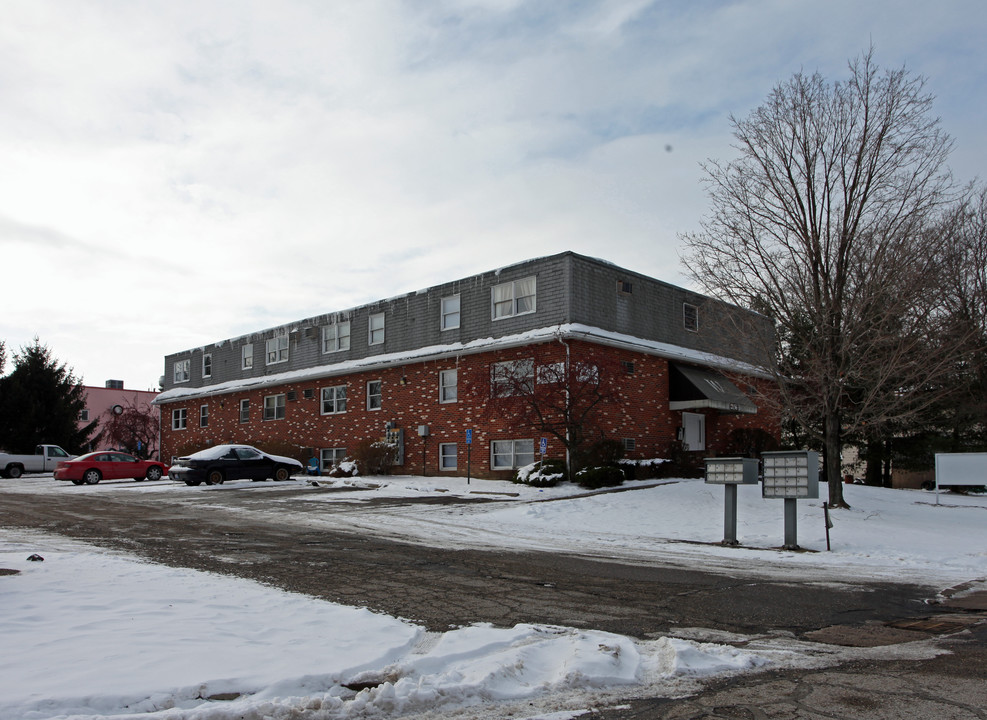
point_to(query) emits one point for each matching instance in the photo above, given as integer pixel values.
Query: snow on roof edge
(567, 331)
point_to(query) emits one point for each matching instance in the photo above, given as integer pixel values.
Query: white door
(693, 431)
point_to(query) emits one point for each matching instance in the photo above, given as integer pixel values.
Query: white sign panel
(961, 469)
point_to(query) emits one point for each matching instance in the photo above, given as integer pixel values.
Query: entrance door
(693, 431)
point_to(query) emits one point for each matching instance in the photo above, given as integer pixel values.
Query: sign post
(469, 452)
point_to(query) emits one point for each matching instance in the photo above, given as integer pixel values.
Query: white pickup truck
(44, 460)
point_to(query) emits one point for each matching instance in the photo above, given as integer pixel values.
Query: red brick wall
(639, 410)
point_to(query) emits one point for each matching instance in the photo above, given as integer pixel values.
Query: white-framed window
(182, 369)
(587, 373)
(690, 317)
(331, 457)
(203, 415)
(334, 400)
(274, 407)
(447, 386)
(551, 373)
(207, 365)
(447, 456)
(375, 329)
(513, 377)
(336, 337)
(513, 298)
(693, 431)
(247, 356)
(277, 350)
(374, 394)
(84, 415)
(510, 454)
(630, 444)
(450, 313)
(179, 419)
(244, 411)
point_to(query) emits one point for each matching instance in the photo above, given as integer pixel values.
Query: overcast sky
(175, 173)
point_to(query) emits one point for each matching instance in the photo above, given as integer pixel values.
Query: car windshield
(213, 453)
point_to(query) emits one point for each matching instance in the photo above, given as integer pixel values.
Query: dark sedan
(216, 465)
(92, 467)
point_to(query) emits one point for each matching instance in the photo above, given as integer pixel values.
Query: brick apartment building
(424, 368)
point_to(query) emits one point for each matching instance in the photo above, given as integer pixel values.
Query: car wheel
(153, 473)
(281, 474)
(14, 472)
(78, 482)
(91, 477)
(215, 477)
(193, 482)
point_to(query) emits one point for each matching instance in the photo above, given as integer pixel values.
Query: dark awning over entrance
(693, 388)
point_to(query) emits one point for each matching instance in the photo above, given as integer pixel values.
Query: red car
(89, 469)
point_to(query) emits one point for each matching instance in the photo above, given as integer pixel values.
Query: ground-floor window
(330, 457)
(510, 454)
(244, 411)
(179, 418)
(447, 456)
(203, 415)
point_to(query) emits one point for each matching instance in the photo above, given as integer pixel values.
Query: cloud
(193, 171)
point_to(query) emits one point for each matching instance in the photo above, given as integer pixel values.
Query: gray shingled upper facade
(570, 290)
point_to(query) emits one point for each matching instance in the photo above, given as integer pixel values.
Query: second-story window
(207, 365)
(447, 386)
(513, 298)
(374, 395)
(247, 356)
(277, 350)
(513, 377)
(376, 332)
(274, 407)
(334, 400)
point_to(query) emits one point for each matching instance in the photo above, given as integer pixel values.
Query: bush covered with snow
(599, 477)
(375, 457)
(346, 468)
(544, 474)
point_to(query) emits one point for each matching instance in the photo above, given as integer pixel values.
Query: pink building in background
(102, 400)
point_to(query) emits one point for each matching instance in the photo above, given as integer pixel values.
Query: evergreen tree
(41, 402)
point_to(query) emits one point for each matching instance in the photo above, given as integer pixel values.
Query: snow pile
(89, 633)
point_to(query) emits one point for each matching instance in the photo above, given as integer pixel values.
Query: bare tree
(563, 399)
(132, 428)
(830, 222)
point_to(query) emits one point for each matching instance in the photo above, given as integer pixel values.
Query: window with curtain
(513, 298)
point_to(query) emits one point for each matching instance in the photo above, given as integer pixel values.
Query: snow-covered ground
(92, 633)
